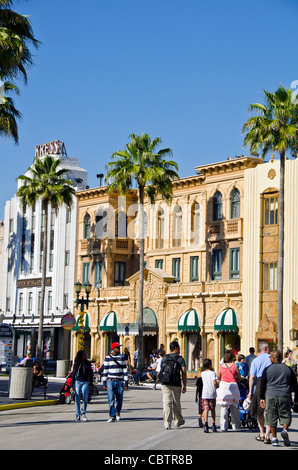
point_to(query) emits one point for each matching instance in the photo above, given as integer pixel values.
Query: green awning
(86, 323)
(108, 322)
(226, 320)
(189, 321)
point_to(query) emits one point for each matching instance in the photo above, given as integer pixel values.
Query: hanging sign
(68, 321)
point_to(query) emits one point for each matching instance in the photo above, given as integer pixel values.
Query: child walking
(209, 384)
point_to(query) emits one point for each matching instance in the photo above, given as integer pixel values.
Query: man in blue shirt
(256, 370)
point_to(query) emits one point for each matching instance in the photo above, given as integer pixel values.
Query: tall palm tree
(275, 129)
(45, 181)
(141, 163)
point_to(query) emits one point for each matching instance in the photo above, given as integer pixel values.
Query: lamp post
(82, 302)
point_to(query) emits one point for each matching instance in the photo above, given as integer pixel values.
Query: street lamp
(82, 302)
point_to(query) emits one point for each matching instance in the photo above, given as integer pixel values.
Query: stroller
(246, 419)
(66, 396)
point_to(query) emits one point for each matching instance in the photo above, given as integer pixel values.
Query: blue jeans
(115, 396)
(81, 387)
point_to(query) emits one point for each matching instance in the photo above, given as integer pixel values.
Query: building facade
(22, 265)
(194, 251)
(260, 256)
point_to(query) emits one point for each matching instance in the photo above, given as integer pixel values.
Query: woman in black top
(82, 377)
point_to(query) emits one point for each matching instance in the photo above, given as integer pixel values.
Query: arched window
(217, 206)
(101, 221)
(177, 226)
(87, 226)
(160, 228)
(195, 224)
(121, 225)
(235, 204)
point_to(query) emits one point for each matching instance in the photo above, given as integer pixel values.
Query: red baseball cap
(115, 345)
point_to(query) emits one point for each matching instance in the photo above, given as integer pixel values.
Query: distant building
(22, 260)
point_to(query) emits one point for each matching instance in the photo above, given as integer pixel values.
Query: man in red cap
(114, 374)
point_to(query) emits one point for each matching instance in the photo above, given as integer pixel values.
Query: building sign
(55, 147)
(33, 282)
(68, 321)
(6, 346)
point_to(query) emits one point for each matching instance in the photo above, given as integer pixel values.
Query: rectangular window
(216, 265)
(176, 263)
(8, 304)
(68, 215)
(159, 263)
(20, 302)
(97, 274)
(270, 276)
(65, 301)
(39, 302)
(271, 210)
(194, 268)
(49, 301)
(119, 273)
(234, 263)
(86, 269)
(30, 302)
(10, 225)
(51, 260)
(67, 258)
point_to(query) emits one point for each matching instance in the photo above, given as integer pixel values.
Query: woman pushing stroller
(82, 378)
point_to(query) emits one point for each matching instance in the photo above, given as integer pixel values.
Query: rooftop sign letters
(55, 147)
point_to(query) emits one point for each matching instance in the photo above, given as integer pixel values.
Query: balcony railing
(225, 229)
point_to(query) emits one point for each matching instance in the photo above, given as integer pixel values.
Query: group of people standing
(270, 381)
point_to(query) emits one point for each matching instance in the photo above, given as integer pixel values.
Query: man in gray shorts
(277, 383)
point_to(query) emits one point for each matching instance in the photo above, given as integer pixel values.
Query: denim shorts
(278, 408)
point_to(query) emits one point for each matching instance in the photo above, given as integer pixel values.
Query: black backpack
(170, 371)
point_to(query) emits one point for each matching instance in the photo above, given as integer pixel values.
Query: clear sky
(182, 70)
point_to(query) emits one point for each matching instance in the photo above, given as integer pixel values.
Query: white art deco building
(22, 266)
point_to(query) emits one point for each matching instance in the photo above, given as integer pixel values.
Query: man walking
(256, 370)
(171, 368)
(250, 358)
(277, 382)
(114, 373)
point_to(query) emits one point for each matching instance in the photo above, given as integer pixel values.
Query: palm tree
(16, 36)
(8, 113)
(45, 181)
(141, 163)
(275, 129)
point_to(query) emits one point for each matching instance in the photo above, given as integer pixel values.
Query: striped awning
(109, 322)
(189, 321)
(226, 320)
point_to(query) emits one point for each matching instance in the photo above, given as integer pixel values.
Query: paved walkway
(139, 433)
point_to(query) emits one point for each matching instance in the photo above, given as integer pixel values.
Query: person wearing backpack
(171, 369)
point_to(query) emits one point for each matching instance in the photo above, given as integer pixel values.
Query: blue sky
(182, 70)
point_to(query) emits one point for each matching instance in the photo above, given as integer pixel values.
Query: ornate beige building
(194, 260)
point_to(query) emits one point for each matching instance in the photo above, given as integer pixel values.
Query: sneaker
(285, 436)
(84, 417)
(275, 442)
(213, 428)
(167, 427)
(78, 418)
(181, 424)
(118, 417)
(111, 420)
(206, 428)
